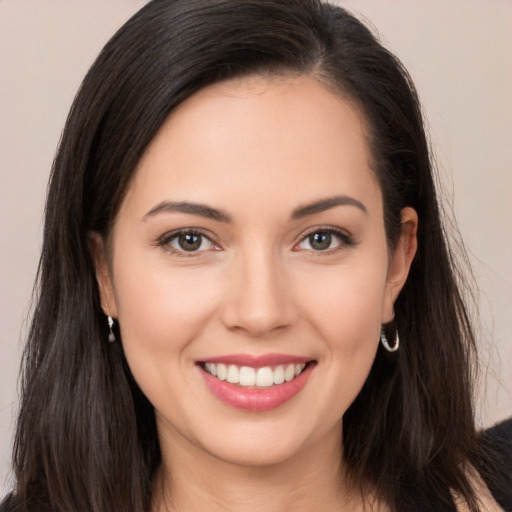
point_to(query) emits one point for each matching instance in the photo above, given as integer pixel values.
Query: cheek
(161, 310)
(340, 308)
(345, 309)
(157, 297)
(346, 305)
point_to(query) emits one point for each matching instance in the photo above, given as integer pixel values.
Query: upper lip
(257, 361)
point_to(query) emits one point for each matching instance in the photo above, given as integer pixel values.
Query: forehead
(257, 137)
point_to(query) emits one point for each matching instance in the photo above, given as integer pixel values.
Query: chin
(264, 443)
(255, 454)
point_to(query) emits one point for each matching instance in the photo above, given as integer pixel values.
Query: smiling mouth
(249, 377)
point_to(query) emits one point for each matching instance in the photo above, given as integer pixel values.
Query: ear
(97, 246)
(400, 262)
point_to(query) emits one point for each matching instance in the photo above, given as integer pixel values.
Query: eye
(187, 241)
(325, 240)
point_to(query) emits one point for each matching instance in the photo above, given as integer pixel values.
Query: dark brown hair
(86, 436)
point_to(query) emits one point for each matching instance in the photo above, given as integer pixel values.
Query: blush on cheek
(349, 312)
(161, 301)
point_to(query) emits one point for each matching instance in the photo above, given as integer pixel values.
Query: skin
(257, 149)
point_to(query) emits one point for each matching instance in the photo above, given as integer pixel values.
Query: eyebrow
(191, 208)
(208, 212)
(326, 204)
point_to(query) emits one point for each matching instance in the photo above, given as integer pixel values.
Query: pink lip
(256, 399)
(257, 361)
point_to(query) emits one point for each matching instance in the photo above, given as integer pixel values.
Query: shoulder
(496, 469)
(500, 433)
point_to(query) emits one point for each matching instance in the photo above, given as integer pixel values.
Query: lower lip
(256, 399)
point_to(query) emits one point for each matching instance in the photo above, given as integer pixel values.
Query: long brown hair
(86, 437)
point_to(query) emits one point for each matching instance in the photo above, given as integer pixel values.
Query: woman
(246, 300)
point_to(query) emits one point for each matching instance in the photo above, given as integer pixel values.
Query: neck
(190, 479)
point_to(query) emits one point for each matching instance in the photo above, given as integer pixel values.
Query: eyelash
(346, 240)
(166, 239)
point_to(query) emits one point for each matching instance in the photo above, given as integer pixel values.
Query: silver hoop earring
(111, 336)
(384, 340)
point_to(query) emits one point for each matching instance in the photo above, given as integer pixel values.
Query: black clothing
(496, 471)
(498, 439)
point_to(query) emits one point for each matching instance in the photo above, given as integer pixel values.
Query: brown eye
(320, 241)
(187, 242)
(190, 242)
(325, 240)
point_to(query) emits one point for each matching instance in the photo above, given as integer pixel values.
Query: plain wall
(459, 54)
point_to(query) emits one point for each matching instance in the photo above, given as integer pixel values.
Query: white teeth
(260, 377)
(247, 376)
(264, 377)
(279, 375)
(233, 374)
(222, 371)
(289, 373)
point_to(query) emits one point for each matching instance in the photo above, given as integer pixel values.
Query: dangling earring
(110, 320)
(111, 336)
(384, 340)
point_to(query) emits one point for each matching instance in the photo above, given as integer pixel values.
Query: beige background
(459, 53)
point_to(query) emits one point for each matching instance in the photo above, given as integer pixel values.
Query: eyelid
(164, 240)
(347, 239)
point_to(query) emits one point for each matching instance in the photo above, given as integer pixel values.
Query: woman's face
(251, 245)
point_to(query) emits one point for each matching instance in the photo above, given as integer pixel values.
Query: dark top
(496, 472)
(497, 441)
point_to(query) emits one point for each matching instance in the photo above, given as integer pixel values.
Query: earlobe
(400, 262)
(103, 277)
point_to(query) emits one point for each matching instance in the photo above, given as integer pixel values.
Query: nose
(259, 299)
